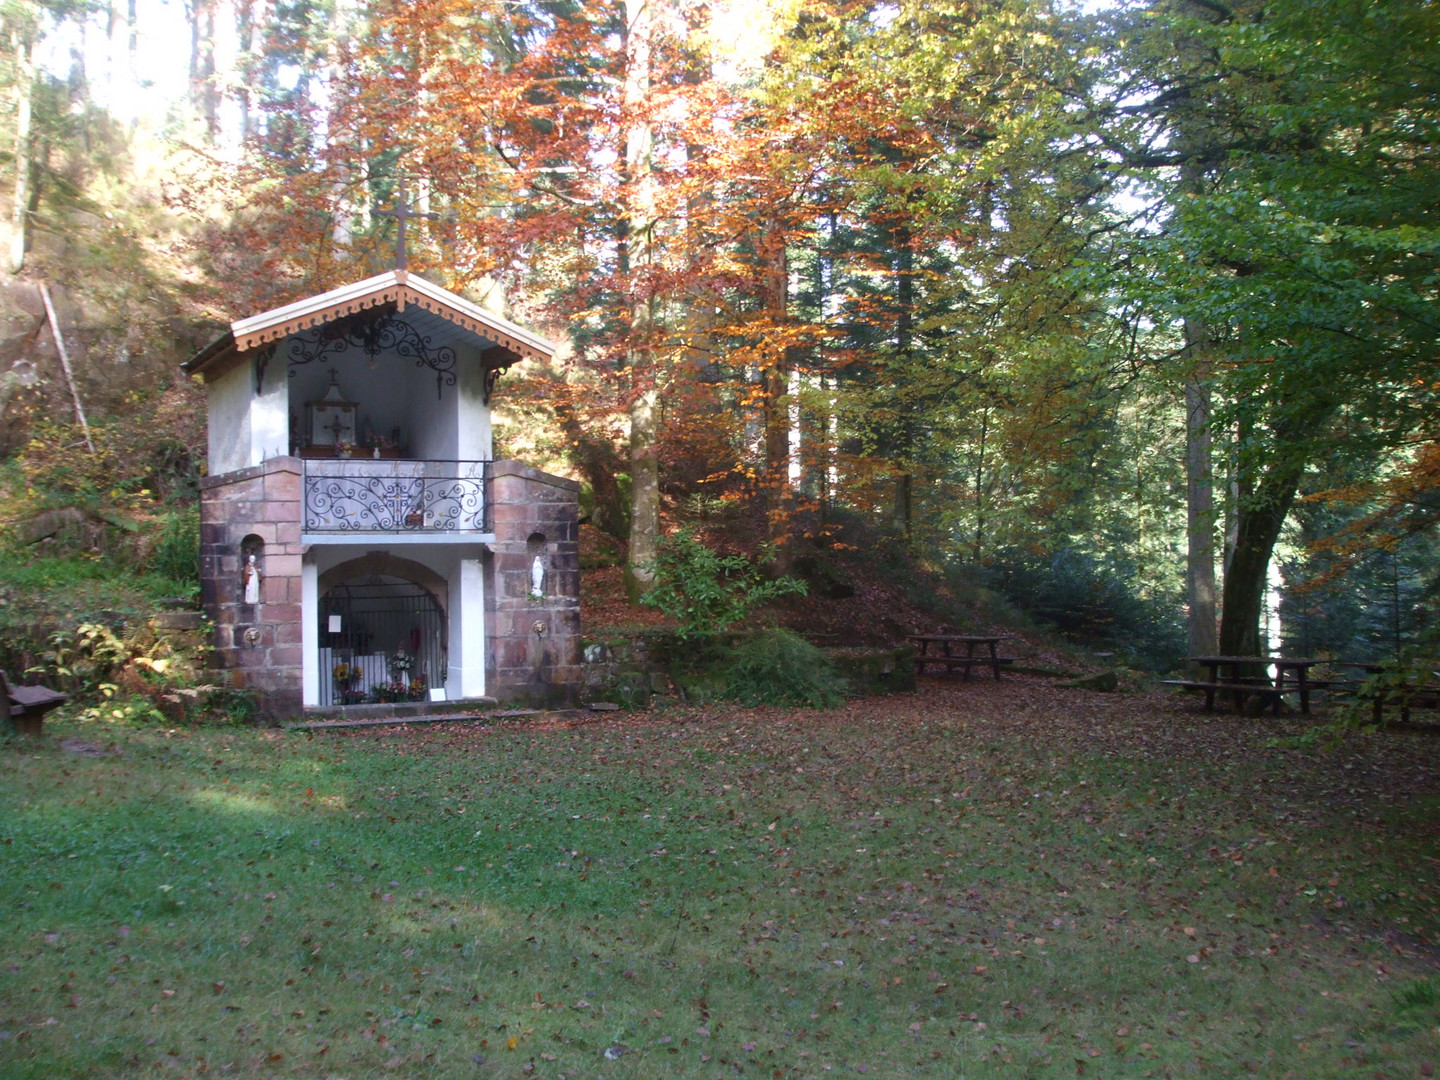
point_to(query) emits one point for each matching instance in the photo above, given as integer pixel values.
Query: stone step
(405, 721)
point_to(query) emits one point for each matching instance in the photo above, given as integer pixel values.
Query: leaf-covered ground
(977, 880)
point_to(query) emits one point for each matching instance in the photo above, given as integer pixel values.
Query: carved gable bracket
(262, 360)
(496, 361)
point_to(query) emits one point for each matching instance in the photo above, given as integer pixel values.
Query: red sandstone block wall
(257, 646)
(533, 654)
(534, 650)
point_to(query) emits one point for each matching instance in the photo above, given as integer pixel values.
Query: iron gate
(365, 625)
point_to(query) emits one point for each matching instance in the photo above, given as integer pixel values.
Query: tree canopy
(1091, 306)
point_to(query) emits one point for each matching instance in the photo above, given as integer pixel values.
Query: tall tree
(1309, 251)
(983, 187)
(636, 237)
(589, 155)
(23, 24)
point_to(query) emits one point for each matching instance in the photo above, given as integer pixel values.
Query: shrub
(153, 452)
(177, 552)
(778, 667)
(706, 592)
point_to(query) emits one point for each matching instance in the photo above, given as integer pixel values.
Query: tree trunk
(9, 383)
(1199, 469)
(977, 556)
(1259, 519)
(24, 49)
(1199, 498)
(227, 116)
(644, 494)
(1237, 490)
(247, 32)
(598, 463)
(826, 443)
(638, 217)
(774, 288)
(202, 65)
(904, 509)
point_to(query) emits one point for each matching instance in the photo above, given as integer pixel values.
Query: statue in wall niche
(537, 578)
(250, 578)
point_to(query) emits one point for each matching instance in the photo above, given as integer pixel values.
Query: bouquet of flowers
(418, 689)
(396, 690)
(344, 674)
(400, 665)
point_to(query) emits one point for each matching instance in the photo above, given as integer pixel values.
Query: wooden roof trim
(505, 335)
(275, 331)
(224, 345)
(393, 287)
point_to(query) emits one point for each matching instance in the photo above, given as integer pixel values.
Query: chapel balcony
(389, 496)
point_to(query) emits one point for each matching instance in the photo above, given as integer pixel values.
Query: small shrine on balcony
(358, 543)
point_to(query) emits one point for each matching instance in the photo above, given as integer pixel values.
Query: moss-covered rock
(873, 672)
(1105, 683)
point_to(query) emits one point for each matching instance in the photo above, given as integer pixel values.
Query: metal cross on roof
(402, 212)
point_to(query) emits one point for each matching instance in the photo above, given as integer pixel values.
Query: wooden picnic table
(950, 659)
(23, 707)
(1228, 673)
(1404, 694)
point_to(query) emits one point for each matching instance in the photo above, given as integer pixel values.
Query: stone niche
(255, 511)
(534, 643)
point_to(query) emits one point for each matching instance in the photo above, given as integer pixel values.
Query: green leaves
(779, 667)
(706, 592)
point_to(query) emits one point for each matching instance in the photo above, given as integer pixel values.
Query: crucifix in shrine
(402, 212)
(332, 418)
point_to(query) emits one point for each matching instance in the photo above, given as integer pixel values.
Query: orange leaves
(1403, 506)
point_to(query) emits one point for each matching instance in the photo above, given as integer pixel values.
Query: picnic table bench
(1246, 676)
(24, 707)
(1405, 695)
(947, 657)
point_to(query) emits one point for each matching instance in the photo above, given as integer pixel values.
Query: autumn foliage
(945, 266)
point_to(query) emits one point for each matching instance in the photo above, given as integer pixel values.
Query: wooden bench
(1240, 689)
(1247, 676)
(1405, 696)
(1424, 697)
(1243, 688)
(26, 706)
(961, 663)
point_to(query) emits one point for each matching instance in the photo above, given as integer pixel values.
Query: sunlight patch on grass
(234, 802)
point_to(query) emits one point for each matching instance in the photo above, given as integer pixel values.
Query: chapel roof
(437, 314)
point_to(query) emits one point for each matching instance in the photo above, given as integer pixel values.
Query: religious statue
(537, 578)
(250, 577)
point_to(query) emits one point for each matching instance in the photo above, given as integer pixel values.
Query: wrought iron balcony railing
(363, 495)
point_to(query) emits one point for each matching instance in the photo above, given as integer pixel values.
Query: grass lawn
(975, 881)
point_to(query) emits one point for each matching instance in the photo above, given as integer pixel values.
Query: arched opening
(252, 569)
(383, 631)
(538, 564)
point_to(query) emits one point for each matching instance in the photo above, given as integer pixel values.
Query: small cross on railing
(402, 212)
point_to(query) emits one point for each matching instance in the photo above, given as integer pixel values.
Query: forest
(1126, 313)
